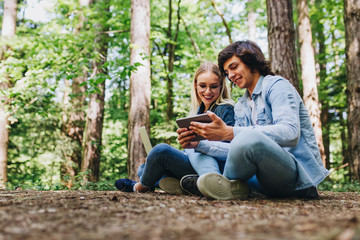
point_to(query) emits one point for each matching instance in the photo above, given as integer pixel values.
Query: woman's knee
(159, 152)
(161, 148)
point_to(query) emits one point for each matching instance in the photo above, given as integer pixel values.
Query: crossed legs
(253, 153)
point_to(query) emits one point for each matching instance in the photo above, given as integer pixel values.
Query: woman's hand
(185, 137)
(217, 130)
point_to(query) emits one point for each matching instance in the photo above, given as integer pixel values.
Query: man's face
(240, 74)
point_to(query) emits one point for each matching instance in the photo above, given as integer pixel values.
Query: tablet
(185, 122)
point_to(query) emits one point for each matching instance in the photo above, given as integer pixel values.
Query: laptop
(145, 139)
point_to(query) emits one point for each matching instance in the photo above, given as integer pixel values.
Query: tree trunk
(7, 32)
(281, 37)
(171, 54)
(321, 74)
(73, 129)
(95, 114)
(74, 116)
(343, 138)
(171, 57)
(308, 74)
(326, 132)
(352, 36)
(4, 134)
(251, 21)
(9, 19)
(93, 130)
(140, 85)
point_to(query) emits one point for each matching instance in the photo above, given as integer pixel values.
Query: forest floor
(115, 215)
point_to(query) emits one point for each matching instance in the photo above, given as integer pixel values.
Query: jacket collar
(257, 89)
(202, 107)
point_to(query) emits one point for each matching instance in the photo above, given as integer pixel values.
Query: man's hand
(185, 137)
(217, 130)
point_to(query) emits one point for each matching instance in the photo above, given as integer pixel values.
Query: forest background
(73, 95)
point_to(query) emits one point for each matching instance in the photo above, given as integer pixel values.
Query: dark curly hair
(249, 53)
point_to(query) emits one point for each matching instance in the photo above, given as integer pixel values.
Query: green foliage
(114, 151)
(79, 184)
(339, 187)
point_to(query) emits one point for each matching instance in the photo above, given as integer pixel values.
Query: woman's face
(208, 88)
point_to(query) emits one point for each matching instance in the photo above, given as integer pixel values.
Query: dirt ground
(115, 215)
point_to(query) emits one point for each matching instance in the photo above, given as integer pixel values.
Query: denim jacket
(223, 111)
(282, 116)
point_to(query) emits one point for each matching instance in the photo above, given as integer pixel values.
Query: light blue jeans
(203, 163)
(253, 153)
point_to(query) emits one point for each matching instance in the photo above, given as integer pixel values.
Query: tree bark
(171, 54)
(343, 138)
(251, 21)
(4, 134)
(140, 84)
(7, 32)
(95, 114)
(308, 74)
(93, 130)
(9, 19)
(74, 116)
(352, 37)
(171, 57)
(321, 77)
(281, 38)
(326, 131)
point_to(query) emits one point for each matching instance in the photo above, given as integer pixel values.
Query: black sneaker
(188, 184)
(310, 193)
(125, 185)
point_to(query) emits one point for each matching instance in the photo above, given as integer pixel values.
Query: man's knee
(248, 140)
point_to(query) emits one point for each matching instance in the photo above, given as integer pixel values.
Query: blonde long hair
(224, 97)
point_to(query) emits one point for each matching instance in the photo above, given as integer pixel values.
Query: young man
(272, 139)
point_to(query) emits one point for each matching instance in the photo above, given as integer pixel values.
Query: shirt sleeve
(284, 103)
(215, 149)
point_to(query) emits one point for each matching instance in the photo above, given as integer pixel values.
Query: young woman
(209, 92)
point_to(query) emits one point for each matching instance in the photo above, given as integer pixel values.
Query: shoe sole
(190, 175)
(171, 186)
(216, 186)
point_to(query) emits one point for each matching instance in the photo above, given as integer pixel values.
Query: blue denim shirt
(282, 116)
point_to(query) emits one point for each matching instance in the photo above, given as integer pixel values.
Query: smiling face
(208, 88)
(240, 74)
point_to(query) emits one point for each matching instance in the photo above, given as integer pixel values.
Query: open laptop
(145, 139)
